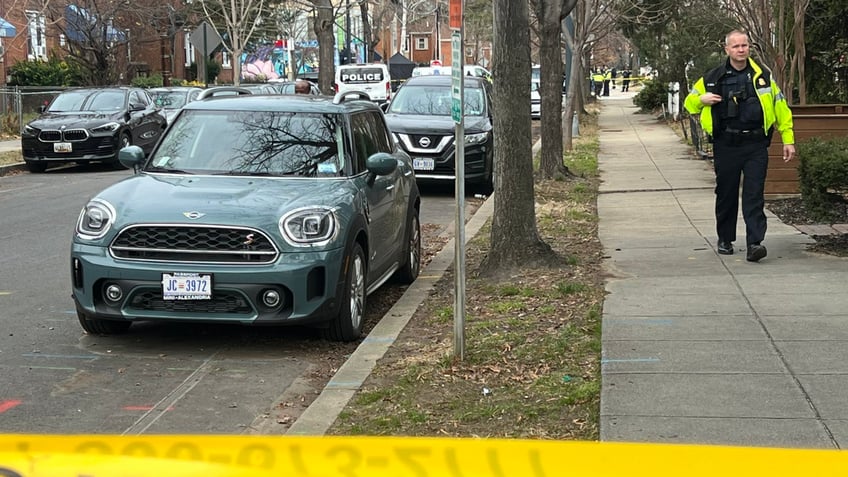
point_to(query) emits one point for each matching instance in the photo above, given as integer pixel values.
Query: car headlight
(95, 219)
(31, 130)
(108, 127)
(479, 138)
(309, 226)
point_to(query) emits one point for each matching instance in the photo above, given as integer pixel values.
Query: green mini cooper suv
(252, 210)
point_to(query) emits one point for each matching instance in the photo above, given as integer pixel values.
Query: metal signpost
(205, 38)
(457, 101)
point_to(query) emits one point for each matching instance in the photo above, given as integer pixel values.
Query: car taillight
(336, 87)
(388, 90)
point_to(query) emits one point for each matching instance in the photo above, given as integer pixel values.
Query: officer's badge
(762, 82)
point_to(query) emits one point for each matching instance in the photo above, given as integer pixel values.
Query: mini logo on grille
(193, 215)
(424, 142)
(249, 239)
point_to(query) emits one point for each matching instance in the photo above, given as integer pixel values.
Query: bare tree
(240, 18)
(323, 27)
(550, 15)
(95, 40)
(775, 48)
(593, 20)
(514, 237)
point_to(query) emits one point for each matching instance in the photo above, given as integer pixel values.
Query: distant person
(740, 106)
(607, 78)
(625, 81)
(301, 87)
(598, 81)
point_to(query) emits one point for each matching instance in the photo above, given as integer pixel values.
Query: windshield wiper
(246, 173)
(166, 169)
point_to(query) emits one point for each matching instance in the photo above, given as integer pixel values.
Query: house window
(36, 38)
(189, 50)
(225, 59)
(421, 43)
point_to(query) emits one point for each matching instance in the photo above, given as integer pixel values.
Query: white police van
(372, 78)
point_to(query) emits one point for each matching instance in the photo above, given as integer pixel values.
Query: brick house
(147, 48)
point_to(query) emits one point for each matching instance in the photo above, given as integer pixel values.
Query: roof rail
(342, 97)
(220, 91)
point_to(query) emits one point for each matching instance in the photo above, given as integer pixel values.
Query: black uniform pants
(745, 158)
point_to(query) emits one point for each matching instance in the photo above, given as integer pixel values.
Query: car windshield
(88, 101)
(435, 100)
(169, 99)
(253, 143)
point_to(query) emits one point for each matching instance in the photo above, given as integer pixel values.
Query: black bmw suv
(419, 116)
(91, 124)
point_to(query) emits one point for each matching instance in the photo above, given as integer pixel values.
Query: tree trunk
(514, 238)
(550, 88)
(323, 28)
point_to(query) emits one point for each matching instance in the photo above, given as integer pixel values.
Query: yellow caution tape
(211, 456)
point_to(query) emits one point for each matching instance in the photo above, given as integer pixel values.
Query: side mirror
(381, 164)
(137, 107)
(42, 108)
(131, 156)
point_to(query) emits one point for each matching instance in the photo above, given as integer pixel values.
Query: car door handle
(407, 173)
(390, 187)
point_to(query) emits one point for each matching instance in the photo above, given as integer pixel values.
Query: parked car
(252, 210)
(91, 124)
(535, 101)
(372, 78)
(419, 117)
(172, 98)
(467, 70)
(260, 88)
(287, 87)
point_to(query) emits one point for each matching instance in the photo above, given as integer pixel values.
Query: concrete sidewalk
(706, 348)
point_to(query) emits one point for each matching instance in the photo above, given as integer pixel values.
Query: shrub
(823, 174)
(53, 72)
(153, 81)
(652, 96)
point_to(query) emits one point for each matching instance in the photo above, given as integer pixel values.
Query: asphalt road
(158, 378)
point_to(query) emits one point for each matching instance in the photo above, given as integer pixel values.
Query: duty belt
(745, 132)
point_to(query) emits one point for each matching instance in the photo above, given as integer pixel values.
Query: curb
(4, 170)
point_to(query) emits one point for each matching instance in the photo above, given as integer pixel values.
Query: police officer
(598, 81)
(740, 106)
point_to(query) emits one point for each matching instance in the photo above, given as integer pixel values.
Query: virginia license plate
(186, 286)
(62, 147)
(423, 164)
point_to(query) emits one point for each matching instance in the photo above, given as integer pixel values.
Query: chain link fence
(20, 104)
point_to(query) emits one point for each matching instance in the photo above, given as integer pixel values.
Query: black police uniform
(740, 148)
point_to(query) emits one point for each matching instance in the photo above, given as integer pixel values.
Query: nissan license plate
(62, 147)
(186, 286)
(423, 164)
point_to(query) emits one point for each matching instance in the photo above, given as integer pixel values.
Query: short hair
(737, 31)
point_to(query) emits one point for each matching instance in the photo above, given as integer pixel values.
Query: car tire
(347, 325)
(36, 166)
(411, 266)
(94, 326)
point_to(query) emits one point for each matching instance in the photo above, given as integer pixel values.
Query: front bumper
(308, 283)
(95, 148)
(478, 164)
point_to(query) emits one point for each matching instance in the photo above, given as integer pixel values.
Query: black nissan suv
(419, 116)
